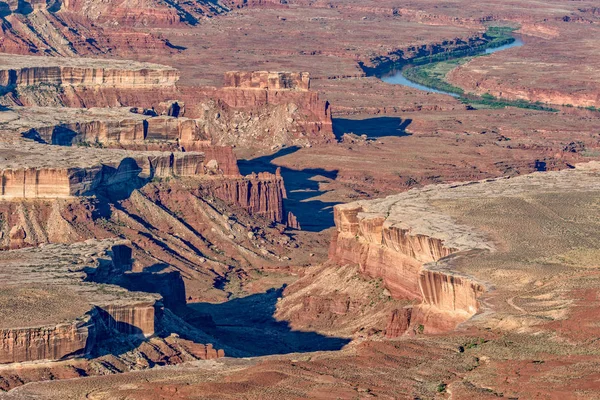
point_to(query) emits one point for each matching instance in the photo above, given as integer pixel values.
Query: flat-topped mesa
(383, 246)
(115, 128)
(268, 80)
(383, 250)
(449, 292)
(132, 170)
(264, 109)
(251, 89)
(130, 130)
(73, 312)
(25, 71)
(73, 316)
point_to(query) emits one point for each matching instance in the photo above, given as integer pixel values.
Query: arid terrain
(231, 199)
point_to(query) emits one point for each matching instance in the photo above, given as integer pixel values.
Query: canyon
(222, 199)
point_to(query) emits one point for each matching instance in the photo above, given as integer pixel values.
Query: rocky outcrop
(123, 133)
(79, 337)
(450, 293)
(131, 172)
(43, 31)
(388, 248)
(249, 100)
(259, 194)
(105, 300)
(128, 319)
(145, 13)
(384, 250)
(47, 343)
(253, 109)
(398, 323)
(31, 71)
(267, 80)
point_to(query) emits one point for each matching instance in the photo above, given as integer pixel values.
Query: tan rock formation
(260, 194)
(398, 323)
(268, 80)
(57, 328)
(30, 71)
(61, 308)
(46, 343)
(52, 176)
(130, 319)
(387, 242)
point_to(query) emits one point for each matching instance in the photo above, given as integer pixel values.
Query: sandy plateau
(223, 200)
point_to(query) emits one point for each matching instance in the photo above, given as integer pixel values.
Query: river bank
(429, 73)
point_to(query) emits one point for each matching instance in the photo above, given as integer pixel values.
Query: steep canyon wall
(403, 260)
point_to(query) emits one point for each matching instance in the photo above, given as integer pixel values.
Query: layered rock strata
(57, 329)
(124, 132)
(422, 253)
(46, 343)
(62, 182)
(277, 108)
(71, 300)
(19, 71)
(259, 194)
(268, 80)
(244, 89)
(402, 243)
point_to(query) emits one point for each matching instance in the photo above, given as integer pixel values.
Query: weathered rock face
(253, 109)
(263, 109)
(63, 328)
(383, 250)
(125, 132)
(267, 80)
(47, 343)
(35, 183)
(89, 301)
(144, 13)
(76, 338)
(66, 182)
(387, 249)
(398, 323)
(218, 159)
(129, 319)
(272, 88)
(450, 293)
(92, 73)
(260, 194)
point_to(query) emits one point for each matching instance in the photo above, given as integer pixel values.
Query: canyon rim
(299, 199)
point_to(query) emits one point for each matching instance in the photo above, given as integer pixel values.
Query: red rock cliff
(385, 249)
(46, 343)
(260, 194)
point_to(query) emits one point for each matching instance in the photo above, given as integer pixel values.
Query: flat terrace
(16, 121)
(44, 286)
(534, 241)
(13, 61)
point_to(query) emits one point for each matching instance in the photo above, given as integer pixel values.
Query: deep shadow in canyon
(247, 324)
(302, 188)
(245, 327)
(374, 128)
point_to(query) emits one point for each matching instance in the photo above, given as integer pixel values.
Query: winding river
(397, 78)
